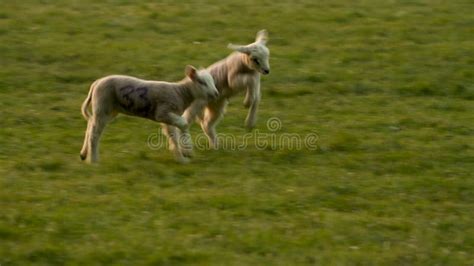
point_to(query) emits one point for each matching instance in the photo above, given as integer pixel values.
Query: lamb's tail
(87, 101)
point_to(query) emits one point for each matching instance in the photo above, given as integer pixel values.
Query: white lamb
(238, 72)
(159, 101)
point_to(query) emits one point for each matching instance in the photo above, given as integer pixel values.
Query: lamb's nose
(266, 71)
(214, 95)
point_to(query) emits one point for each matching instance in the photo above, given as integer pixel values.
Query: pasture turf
(387, 86)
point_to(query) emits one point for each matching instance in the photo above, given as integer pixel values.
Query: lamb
(159, 101)
(240, 71)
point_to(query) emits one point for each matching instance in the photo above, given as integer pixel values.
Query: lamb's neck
(241, 62)
(184, 91)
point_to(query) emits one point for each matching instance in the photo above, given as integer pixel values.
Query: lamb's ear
(262, 37)
(239, 48)
(191, 72)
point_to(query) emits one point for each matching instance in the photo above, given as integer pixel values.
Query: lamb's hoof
(171, 147)
(187, 153)
(83, 157)
(249, 129)
(249, 126)
(183, 160)
(213, 146)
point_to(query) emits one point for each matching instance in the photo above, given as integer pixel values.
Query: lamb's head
(204, 87)
(257, 53)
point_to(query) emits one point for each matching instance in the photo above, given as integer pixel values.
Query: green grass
(388, 86)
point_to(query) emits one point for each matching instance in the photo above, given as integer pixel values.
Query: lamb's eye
(255, 60)
(202, 82)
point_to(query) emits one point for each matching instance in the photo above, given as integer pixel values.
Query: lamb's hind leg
(212, 115)
(85, 146)
(95, 131)
(98, 123)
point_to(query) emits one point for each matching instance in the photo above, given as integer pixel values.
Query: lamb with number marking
(159, 101)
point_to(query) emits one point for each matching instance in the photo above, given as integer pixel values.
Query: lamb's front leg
(252, 100)
(195, 109)
(248, 100)
(184, 140)
(171, 133)
(181, 141)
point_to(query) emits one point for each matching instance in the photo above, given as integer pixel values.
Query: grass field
(388, 86)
